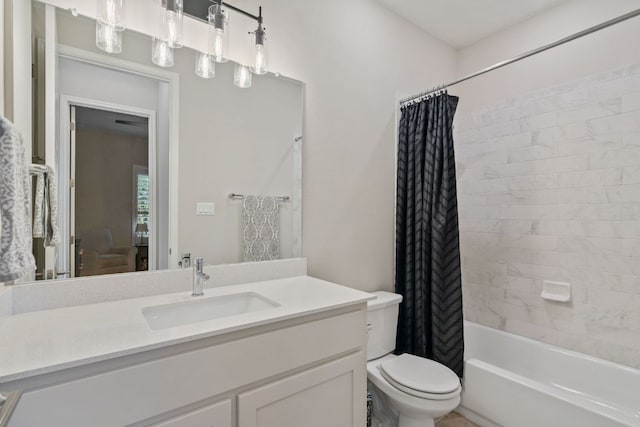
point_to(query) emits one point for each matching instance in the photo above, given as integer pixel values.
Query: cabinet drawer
(216, 415)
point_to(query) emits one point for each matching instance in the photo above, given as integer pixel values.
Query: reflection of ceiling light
(111, 12)
(162, 53)
(170, 22)
(108, 38)
(218, 33)
(205, 66)
(242, 76)
(110, 25)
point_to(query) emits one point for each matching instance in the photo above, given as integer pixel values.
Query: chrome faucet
(198, 277)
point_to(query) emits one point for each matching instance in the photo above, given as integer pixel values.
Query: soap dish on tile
(556, 291)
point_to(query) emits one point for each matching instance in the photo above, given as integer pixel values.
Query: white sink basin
(202, 309)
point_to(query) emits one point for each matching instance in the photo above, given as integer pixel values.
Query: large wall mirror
(156, 165)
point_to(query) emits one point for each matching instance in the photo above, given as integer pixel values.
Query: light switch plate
(205, 208)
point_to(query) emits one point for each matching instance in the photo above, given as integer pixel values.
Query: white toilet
(418, 390)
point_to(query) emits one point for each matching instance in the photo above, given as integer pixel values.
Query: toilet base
(405, 421)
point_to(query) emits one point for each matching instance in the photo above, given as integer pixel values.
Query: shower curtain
(427, 249)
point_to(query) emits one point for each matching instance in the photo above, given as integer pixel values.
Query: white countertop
(50, 340)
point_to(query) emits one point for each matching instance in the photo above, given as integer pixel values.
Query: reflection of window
(141, 199)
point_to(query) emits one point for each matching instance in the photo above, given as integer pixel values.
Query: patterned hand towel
(16, 259)
(45, 212)
(260, 228)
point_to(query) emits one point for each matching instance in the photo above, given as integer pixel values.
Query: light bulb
(170, 22)
(219, 45)
(205, 66)
(162, 53)
(108, 38)
(110, 12)
(260, 64)
(242, 76)
(218, 33)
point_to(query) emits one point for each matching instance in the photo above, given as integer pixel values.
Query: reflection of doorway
(85, 79)
(110, 190)
(109, 198)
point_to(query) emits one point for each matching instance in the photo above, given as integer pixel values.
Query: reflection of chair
(98, 256)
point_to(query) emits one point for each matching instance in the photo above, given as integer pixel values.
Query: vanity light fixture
(109, 25)
(219, 41)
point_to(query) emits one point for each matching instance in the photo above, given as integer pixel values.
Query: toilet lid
(423, 376)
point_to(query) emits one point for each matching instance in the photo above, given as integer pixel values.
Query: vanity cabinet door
(216, 415)
(329, 395)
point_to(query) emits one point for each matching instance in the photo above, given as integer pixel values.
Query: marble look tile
(590, 111)
(631, 174)
(631, 139)
(630, 193)
(597, 177)
(604, 194)
(550, 190)
(631, 102)
(590, 144)
(621, 123)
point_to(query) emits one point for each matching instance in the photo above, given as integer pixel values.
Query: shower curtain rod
(525, 55)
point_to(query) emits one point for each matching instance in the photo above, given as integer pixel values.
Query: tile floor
(455, 420)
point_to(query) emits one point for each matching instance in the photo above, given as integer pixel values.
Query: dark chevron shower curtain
(427, 250)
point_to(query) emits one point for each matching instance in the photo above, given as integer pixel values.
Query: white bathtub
(513, 381)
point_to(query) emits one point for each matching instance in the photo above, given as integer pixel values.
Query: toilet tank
(382, 321)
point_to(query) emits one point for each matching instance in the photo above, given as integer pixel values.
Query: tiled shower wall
(549, 189)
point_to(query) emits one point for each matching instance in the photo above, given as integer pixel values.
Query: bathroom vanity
(286, 352)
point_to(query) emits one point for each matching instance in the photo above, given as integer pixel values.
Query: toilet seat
(421, 377)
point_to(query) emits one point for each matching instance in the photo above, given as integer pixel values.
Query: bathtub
(513, 381)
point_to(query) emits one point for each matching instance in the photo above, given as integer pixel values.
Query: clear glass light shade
(170, 18)
(111, 13)
(242, 76)
(218, 34)
(162, 53)
(108, 38)
(259, 65)
(205, 66)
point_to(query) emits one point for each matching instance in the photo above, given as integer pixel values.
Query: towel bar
(242, 196)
